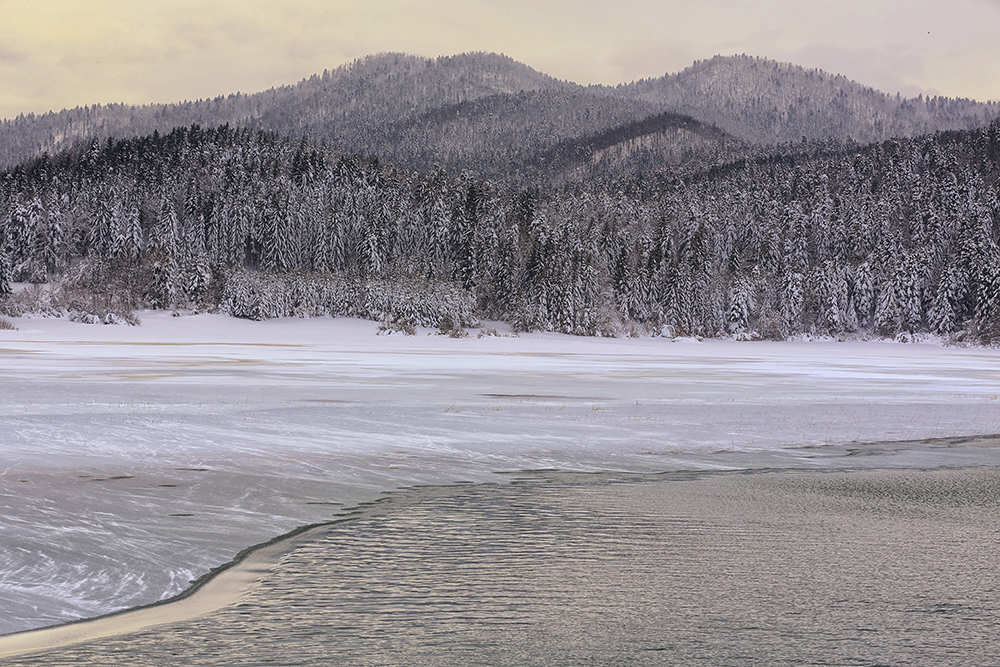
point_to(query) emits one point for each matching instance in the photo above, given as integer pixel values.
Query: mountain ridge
(817, 94)
(494, 116)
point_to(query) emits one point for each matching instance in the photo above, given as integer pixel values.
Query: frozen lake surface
(135, 459)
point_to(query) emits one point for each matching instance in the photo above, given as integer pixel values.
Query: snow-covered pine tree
(162, 257)
(942, 316)
(126, 232)
(44, 254)
(238, 239)
(59, 231)
(5, 269)
(988, 301)
(18, 232)
(506, 278)
(832, 298)
(438, 225)
(887, 320)
(909, 288)
(793, 301)
(273, 227)
(796, 258)
(742, 304)
(102, 216)
(864, 293)
(373, 230)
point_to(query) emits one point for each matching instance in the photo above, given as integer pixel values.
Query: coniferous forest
(724, 238)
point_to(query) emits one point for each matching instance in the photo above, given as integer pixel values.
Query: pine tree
(100, 239)
(832, 298)
(35, 244)
(887, 320)
(796, 239)
(5, 270)
(126, 232)
(909, 287)
(44, 254)
(19, 228)
(742, 304)
(274, 242)
(864, 294)
(988, 302)
(163, 257)
(942, 316)
(793, 301)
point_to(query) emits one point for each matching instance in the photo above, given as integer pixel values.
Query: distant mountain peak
(763, 100)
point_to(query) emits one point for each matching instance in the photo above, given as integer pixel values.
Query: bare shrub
(77, 297)
(389, 327)
(447, 327)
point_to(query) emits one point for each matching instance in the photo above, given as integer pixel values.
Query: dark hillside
(665, 142)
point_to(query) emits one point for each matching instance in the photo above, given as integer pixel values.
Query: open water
(861, 567)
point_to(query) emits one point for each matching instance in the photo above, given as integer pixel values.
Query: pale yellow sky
(64, 53)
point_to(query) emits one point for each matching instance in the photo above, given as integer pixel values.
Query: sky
(58, 54)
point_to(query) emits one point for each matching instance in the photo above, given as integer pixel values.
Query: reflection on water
(855, 568)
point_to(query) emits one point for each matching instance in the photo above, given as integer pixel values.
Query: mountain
(350, 106)
(764, 101)
(500, 119)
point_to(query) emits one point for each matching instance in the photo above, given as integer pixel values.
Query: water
(793, 568)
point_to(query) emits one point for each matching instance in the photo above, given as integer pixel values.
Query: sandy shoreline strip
(215, 590)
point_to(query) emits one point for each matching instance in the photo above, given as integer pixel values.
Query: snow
(134, 459)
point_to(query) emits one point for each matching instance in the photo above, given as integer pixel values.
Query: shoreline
(226, 584)
(218, 588)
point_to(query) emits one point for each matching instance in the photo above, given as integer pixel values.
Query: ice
(134, 459)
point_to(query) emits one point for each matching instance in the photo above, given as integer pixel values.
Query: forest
(890, 239)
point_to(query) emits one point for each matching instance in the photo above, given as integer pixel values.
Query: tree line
(886, 239)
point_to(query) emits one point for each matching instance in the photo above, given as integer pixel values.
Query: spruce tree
(163, 257)
(5, 271)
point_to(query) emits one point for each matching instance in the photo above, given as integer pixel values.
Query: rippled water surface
(846, 568)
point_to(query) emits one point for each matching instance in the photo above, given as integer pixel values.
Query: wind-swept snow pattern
(135, 459)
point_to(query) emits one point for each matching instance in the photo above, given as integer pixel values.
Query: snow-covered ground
(134, 459)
